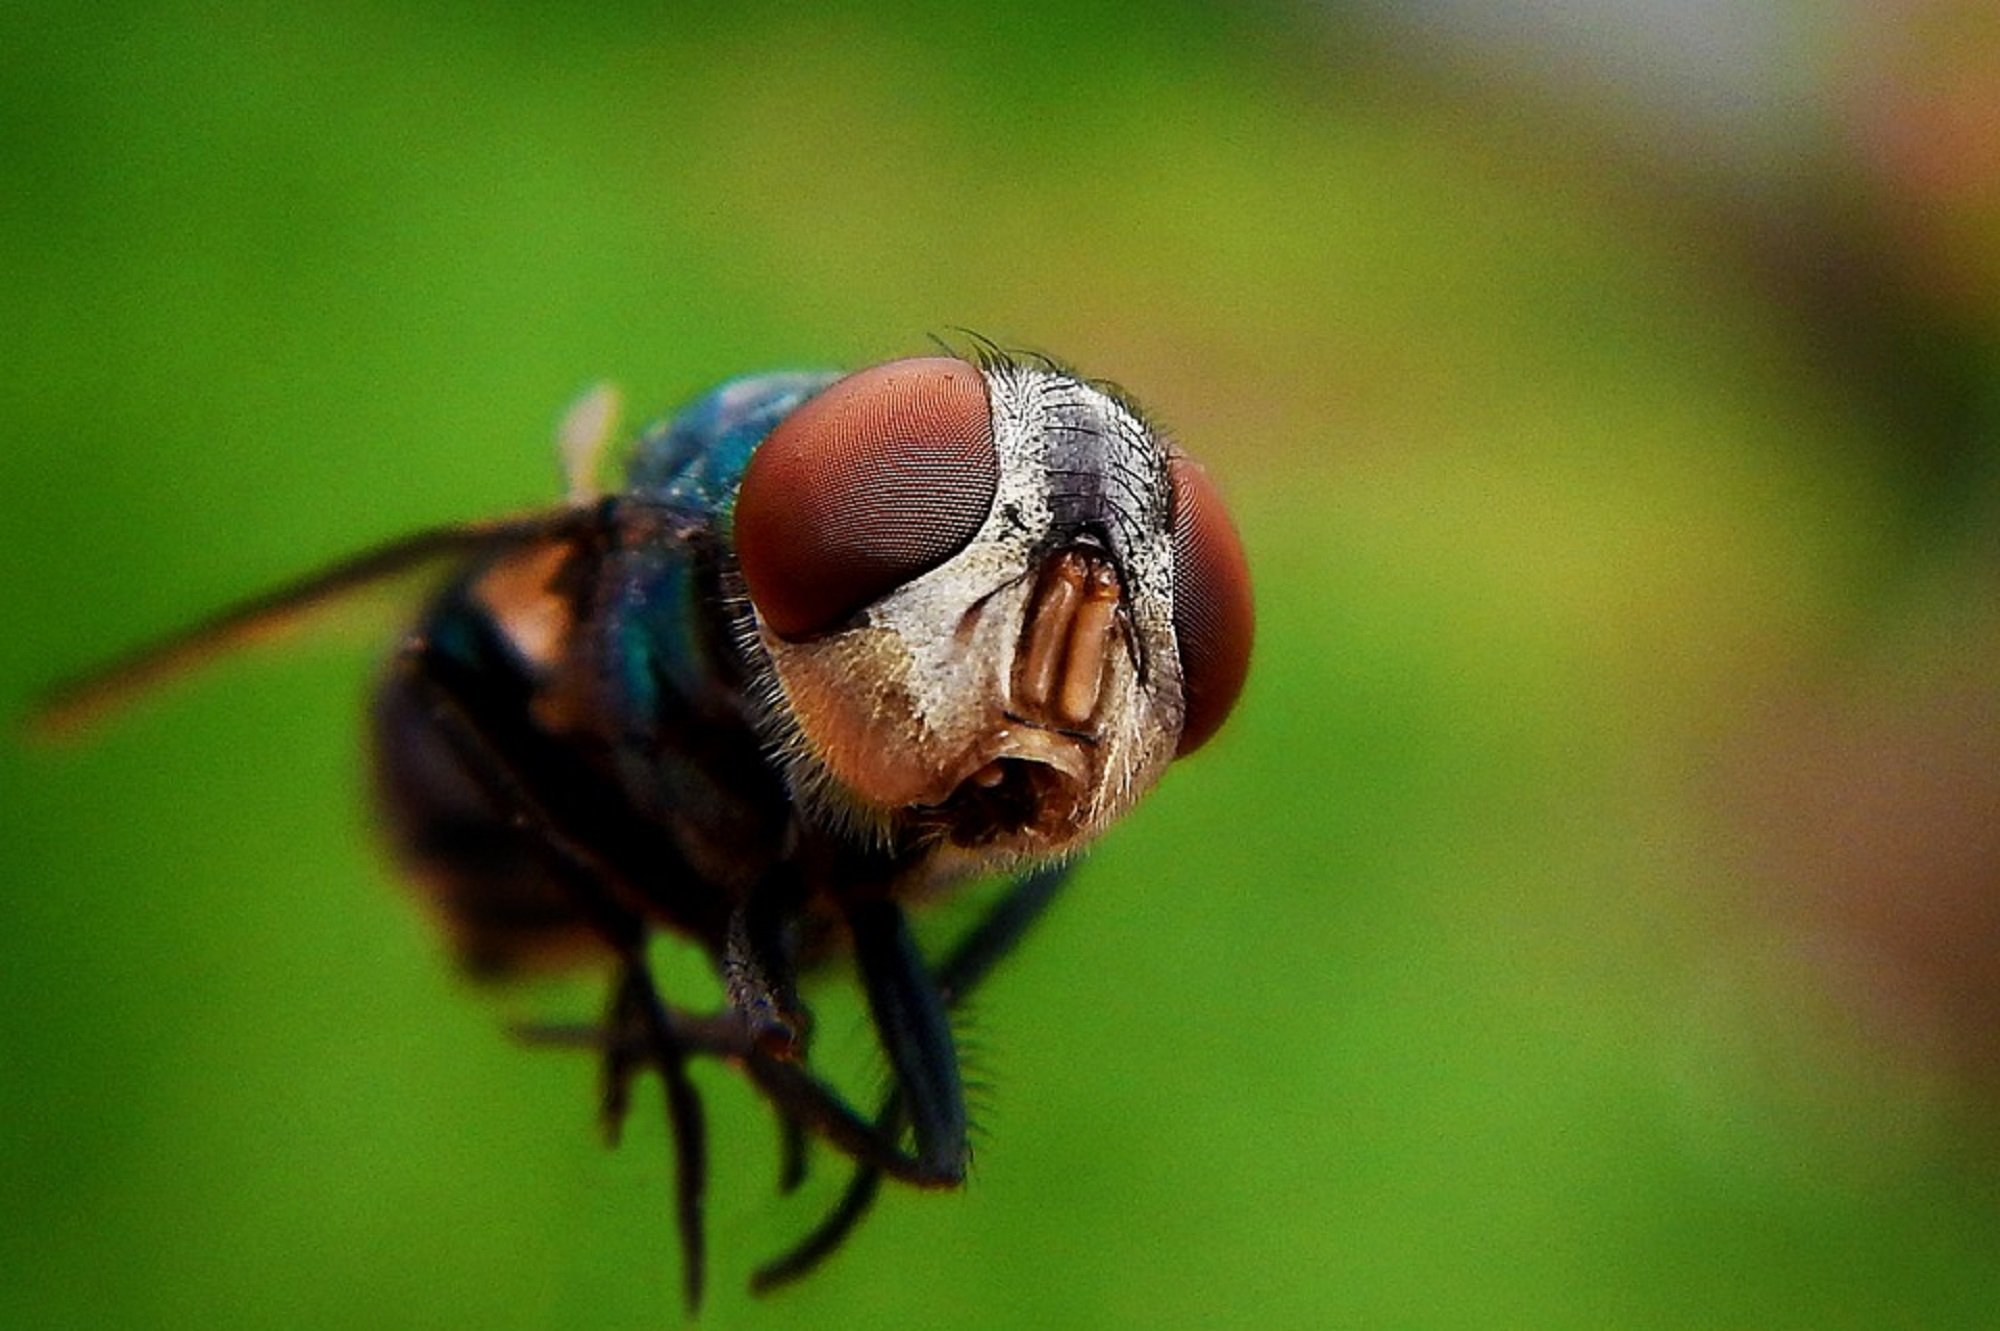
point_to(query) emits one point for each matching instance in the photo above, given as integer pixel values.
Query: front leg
(964, 968)
(759, 975)
(910, 1018)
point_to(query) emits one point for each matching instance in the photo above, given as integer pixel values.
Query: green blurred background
(1592, 917)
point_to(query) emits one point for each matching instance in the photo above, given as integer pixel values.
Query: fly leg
(639, 1028)
(909, 1015)
(636, 1007)
(759, 974)
(969, 962)
(802, 1100)
(760, 981)
(910, 1000)
(793, 1144)
(909, 1018)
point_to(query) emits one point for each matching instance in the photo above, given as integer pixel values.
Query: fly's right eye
(880, 478)
(1214, 620)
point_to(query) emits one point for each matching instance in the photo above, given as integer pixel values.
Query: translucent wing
(76, 703)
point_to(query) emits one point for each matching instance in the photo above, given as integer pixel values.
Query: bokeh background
(1593, 916)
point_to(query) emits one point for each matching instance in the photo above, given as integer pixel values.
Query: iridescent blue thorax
(696, 458)
(665, 628)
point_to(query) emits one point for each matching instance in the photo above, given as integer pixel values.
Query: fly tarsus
(825, 1238)
(640, 1029)
(794, 1154)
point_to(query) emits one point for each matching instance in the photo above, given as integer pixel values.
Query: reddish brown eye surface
(882, 477)
(1212, 613)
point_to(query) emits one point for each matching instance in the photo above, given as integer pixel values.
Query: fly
(838, 643)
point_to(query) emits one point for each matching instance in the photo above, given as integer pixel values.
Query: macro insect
(838, 642)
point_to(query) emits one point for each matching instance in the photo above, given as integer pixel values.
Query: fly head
(991, 604)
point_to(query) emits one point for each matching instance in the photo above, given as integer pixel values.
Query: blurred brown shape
(1872, 812)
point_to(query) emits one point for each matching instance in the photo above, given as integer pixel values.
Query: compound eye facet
(1213, 618)
(882, 477)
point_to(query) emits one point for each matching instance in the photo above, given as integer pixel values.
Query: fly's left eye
(881, 478)
(1213, 619)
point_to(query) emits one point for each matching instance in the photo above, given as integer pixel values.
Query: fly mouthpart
(1008, 797)
(1027, 782)
(1033, 746)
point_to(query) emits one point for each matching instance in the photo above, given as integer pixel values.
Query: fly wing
(77, 703)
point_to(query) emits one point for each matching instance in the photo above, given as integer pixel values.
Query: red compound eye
(883, 476)
(1212, 613)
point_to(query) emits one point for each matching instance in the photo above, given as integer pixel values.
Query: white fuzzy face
(1015, 696)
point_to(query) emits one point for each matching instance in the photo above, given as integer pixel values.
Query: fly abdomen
(502, 903)
(459, 725)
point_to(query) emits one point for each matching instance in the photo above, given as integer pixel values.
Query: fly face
(992, 603)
